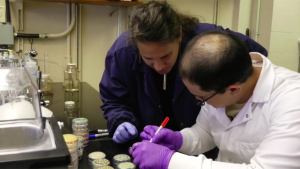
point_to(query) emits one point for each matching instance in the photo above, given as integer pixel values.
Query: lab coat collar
(264, 85)
(244, 115)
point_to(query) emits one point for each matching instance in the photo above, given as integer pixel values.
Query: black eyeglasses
(202, 102)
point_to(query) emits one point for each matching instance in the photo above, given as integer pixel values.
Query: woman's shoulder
(123, 52)
(203, 27)
(122, 43)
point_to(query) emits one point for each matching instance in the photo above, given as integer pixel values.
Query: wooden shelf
(97, 2)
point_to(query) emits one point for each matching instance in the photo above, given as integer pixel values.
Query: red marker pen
(163, 124)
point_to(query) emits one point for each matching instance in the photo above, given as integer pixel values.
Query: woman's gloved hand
(125, 132)
(166, 137)
(148, 155)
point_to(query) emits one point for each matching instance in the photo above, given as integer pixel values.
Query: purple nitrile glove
(166, 137)
(125, 131)
(148, 155)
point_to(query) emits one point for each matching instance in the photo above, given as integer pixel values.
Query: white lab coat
(265, 134)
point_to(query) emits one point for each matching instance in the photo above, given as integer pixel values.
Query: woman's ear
(180, 35)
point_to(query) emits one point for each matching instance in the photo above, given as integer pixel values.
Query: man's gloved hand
(125, 132)
(148, 155)
(166, 137)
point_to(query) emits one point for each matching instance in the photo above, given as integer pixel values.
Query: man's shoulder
(286, 82)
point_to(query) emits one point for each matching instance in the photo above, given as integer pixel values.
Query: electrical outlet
(2, 14)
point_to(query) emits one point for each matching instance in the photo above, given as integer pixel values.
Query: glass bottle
(46, 84)
(71, 82)
(70, 109)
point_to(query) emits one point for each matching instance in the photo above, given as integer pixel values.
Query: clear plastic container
(46, 84)
(32, 69)
(5, 55)
(80, 128)
(74, 158)
(21, 124)
(11, 54)
(73, 165)
(71, 82)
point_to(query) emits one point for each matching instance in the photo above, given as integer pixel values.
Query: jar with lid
(46, 84)
(71, 82)
(70, 109)
(80, 128)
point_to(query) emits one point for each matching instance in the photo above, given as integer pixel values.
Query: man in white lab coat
(252, 112)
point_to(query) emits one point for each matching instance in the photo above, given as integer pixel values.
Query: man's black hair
(214, 60)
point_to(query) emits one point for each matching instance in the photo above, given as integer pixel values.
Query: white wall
(45, 18)
(279, 28)
(285, 33)
(203, 9)
(99, 31)
(241, 15)
(225, 13)
(264, 24)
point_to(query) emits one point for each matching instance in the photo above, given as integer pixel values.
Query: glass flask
(71, 82)
(46, 84)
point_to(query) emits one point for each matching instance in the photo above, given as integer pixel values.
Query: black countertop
(88, 103)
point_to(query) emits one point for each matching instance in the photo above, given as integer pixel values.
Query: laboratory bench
(88, 104)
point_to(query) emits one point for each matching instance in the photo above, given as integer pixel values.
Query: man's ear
(234, 89)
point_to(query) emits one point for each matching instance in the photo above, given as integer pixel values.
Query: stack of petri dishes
(105, 167)
(80, 128)
(72, 143)
(120, 158)
(100, 163)
(126, 165)
(80, 147)
(95, 156)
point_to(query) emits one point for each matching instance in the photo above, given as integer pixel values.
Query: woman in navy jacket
(140, 85)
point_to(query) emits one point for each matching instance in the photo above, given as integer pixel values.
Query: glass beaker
(71, 82)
